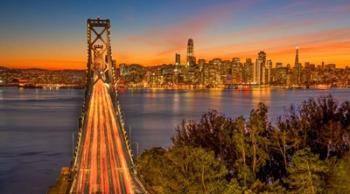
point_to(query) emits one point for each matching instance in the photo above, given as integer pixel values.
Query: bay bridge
(103, 160)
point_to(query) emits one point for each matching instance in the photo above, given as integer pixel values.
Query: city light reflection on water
(36, 125)
(154, 115)
(261, 95)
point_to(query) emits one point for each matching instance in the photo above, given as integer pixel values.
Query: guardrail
(123, 127)
(82, 120)
(120, 117)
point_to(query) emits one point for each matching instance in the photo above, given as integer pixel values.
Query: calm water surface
(37, 126)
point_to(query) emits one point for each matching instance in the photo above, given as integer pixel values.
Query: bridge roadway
(102, 164)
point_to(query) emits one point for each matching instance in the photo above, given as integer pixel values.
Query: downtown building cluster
(220, 73)
(41, 78)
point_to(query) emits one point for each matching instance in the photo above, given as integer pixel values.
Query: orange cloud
(44, 64)
(328, 44)
(164, 41)
(157, 45)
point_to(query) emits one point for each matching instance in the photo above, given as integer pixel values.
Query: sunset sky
(52, 33)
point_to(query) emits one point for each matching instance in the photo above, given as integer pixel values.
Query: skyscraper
(297, 66)
(259, 68)
(269, 69)
(296, 56)
(177, 59)
(190, 57)
(249, 65)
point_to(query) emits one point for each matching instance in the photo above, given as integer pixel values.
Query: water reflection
(155, 115)
(215, 96)
(1, 94)
(176, 102)
(261, 95)
(36, 125)
(35, 136)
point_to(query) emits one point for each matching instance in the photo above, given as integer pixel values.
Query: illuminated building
(297, 66)
(279, 64)
(214, 71)
(236, 71)
(259, 68)
(248, 71)
(201, 63)
(201, 68)
(190, 58)
(269, 69)
(177, 59)
(123, 69)
(177, 68)
(279, 75)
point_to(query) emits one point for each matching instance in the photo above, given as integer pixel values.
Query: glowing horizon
(151, 33)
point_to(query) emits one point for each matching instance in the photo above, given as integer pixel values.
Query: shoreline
(54, 86)
(242, 88)
(182, 88)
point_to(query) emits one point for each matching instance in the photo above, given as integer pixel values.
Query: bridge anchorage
(103, 159)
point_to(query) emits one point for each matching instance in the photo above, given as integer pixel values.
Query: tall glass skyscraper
(190, 57)
(259, 68)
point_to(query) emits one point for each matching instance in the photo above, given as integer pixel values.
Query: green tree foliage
(244, 172)
(266, 188)
(257, 131)
(150, 166)
(292, 155)
(339, 182)
(257, 187)
(214, 132)
(231, 140)
(233, 188)
(322, 124)
(182, 170)
(306, 173)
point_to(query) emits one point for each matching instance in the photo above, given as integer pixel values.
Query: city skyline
(151, 34)
(184, 96)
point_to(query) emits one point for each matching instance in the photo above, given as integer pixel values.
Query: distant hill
(38, 69)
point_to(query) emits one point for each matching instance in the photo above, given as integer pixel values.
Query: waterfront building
(215, 67)
(123, 69)
(236, 71)
(177, 59)
(249, 66)
(279, 64)
(259, 68)
(190, 57)
(268, 69)
(298, 67)
(201, 66)
(279, 75)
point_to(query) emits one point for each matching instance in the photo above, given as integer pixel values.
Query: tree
(257, 187)
(284, 141)
(339, 182)
(257, 129)
(183, 169)
(307, 173)
(266, 188)
(244, 173)
(213, 132)
(325, 124)
(197, 171)
(292, 156)
(150, 167)
(233, 188)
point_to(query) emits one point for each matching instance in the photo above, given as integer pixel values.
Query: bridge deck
(102, 165)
